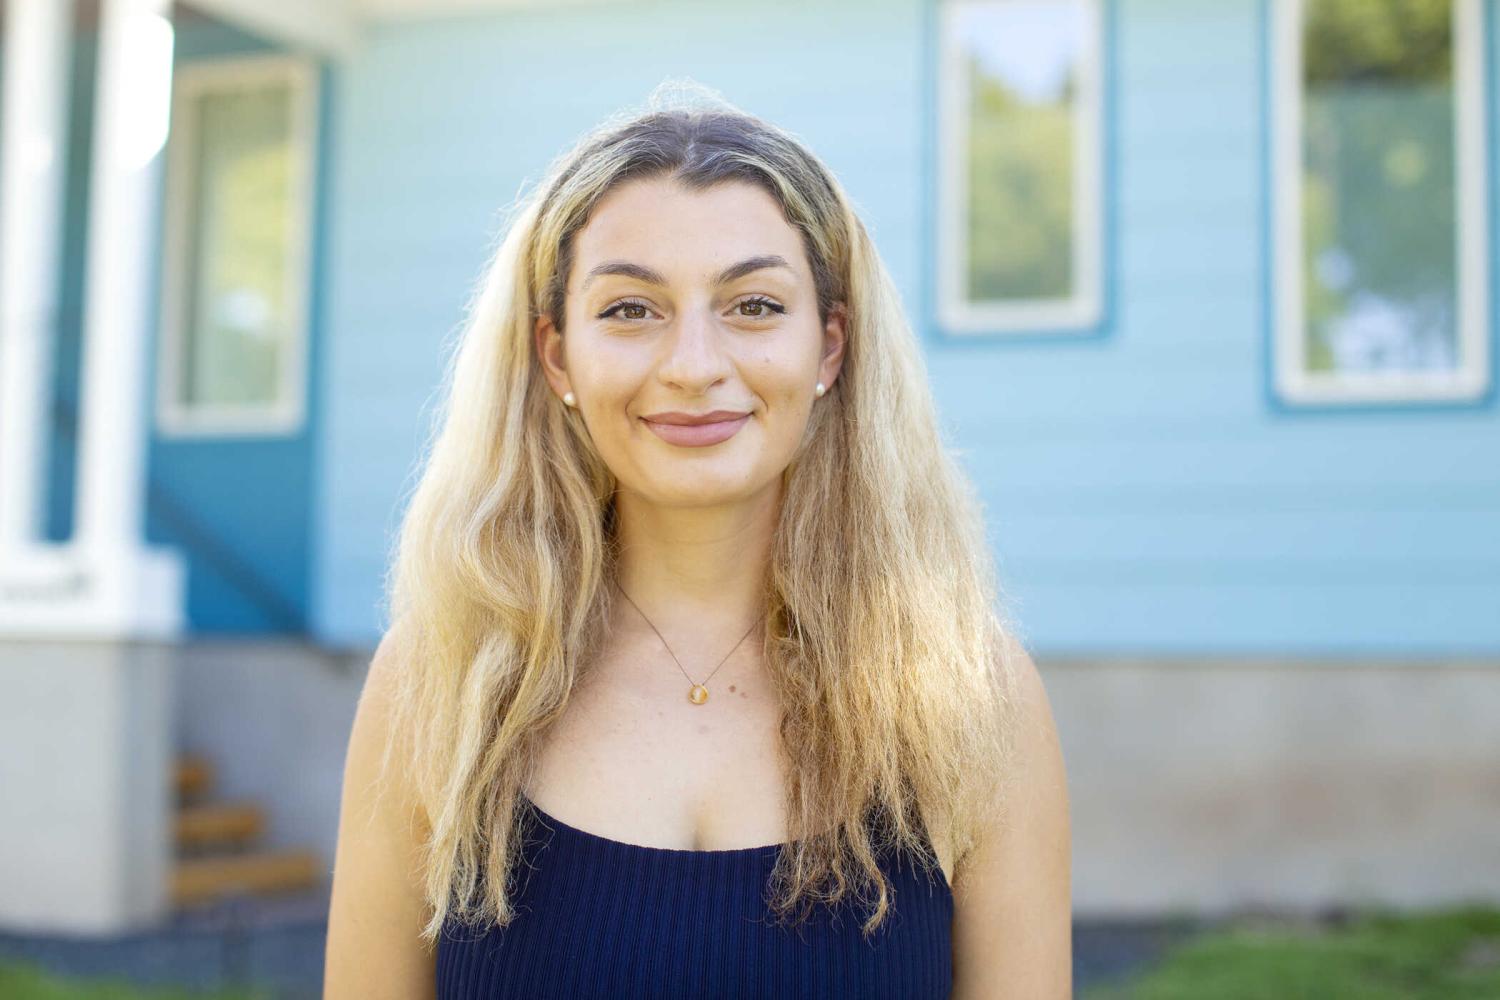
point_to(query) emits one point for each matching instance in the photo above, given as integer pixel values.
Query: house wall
(1157, 514)
(1145, 491)
(1216, 587)
(239, 507)
(236, 508)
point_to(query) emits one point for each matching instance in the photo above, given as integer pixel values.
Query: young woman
(696, 684)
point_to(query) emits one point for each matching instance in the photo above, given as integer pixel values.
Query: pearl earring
(819, 389)
(568, 399)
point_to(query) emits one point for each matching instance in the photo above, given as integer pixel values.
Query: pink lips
(696, 434)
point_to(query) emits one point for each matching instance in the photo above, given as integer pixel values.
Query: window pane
(1379, 254)
(1021, 65)
(240, 229)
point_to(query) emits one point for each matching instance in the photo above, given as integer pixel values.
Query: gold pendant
(698, 695)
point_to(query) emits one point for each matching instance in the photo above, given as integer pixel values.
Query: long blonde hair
(882, 632)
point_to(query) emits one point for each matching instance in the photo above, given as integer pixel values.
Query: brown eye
(765, 308)
(628, 304)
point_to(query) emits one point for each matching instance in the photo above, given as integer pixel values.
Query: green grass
(22, 981)
(1377, 955)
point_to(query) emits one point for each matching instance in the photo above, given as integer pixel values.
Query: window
(235, 268)
(1379, 201)
(1019, 165)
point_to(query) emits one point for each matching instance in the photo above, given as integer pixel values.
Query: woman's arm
(376, 911)
(1013, 912)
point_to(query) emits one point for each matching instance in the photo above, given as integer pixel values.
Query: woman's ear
(835, 338)
(549, 352)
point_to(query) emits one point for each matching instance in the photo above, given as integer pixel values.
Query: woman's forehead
(684, 235)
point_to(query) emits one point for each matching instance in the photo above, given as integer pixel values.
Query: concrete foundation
(85, 791)
(1214, 787)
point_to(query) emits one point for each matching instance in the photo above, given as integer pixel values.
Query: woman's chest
(633, 764)
(644, 765)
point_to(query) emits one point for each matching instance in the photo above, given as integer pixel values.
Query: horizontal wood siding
(1144, 491)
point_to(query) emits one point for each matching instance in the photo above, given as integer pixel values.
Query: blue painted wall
(63, 444)
(236, 508)
(1148, 493)
(239, 508)
(1145, 492)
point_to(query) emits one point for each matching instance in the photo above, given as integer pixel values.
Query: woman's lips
(697, 435)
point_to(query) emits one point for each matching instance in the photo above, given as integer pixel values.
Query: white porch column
(87, 627)
(105, 582)
(132, 105)
(31, 184)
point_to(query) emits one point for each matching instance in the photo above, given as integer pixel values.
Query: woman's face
(692, 302)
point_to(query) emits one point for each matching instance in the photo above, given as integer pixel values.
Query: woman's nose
(696, 355)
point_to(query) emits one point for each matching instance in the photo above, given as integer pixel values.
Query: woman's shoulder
(377, 909)
(1012, 892)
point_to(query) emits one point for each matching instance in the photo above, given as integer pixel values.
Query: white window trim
(288, 415)
(957, 313)
(1471, 379)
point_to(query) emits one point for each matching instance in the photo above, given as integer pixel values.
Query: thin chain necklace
(698, 693)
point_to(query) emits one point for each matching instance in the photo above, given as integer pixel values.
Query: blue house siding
(62, 443)
(1144, 492)
(238, 508)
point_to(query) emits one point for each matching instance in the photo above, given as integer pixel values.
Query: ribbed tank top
(602, 918)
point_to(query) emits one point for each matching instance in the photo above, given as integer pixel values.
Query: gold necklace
(698, 693)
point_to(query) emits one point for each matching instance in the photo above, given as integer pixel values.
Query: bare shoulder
(1012, 925)
(376, 911)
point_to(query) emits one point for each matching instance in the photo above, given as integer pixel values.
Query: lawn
(1451, 954)
(21, 981)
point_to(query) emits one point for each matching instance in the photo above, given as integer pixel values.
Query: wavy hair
(883, 635)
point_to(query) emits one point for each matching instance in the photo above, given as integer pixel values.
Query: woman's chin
(707, 487)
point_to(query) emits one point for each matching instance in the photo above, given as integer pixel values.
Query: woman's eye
(764, 308)
(606, 314)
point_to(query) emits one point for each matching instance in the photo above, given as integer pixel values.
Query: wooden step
(208, 824)
(201, 880)
(194, 777)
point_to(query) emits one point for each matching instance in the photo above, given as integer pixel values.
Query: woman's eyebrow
(651, 277)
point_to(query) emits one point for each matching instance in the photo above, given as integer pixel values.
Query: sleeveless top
(597, 917)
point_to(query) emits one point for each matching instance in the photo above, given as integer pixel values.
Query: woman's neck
(696, 573)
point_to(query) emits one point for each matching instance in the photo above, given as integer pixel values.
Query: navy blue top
(597, 917)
